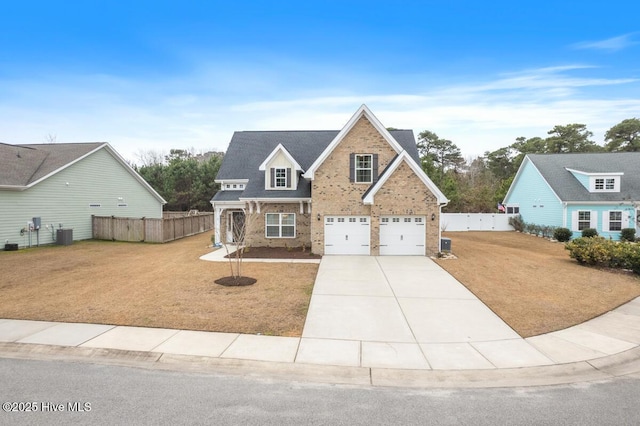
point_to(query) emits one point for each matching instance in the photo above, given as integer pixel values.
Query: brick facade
(405, 194)
(331, 190)
(256, 236)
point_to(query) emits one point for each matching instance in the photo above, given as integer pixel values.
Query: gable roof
(369, 195)
(23, 166)
(363, 111)
(554, 168)
(248, 150)
(284, 151)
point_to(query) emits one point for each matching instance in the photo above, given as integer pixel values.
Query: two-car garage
(351, 235)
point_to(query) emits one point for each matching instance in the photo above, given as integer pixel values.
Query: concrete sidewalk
(384, 321)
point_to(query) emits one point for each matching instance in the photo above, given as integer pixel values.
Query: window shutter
(574, 220)
(375, 168)
(352, 167)
(594, 219)
(273, 177)
(289, 177)
(605, 221)
(625, 220)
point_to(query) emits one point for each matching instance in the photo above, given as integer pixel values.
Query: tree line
(479, 184)
(185, 180)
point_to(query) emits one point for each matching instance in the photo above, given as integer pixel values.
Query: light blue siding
(601, 218)
(538, 203)
(65, 198)
(583, 179)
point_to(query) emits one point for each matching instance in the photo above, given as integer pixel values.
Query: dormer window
(280, 178)
(608, 184)
(605, 184)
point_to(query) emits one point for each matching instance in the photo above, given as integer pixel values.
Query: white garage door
(347, 234)
(402, 235)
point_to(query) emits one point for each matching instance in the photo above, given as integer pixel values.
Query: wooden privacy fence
(150, 230)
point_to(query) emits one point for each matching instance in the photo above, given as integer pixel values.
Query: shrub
(589, 233)
(517, 223)
(589, 250)
(602, 252)
(628, 234)
(562, 234)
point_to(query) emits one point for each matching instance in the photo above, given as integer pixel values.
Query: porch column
(216, 224)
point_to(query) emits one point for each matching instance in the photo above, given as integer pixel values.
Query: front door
(235, 226)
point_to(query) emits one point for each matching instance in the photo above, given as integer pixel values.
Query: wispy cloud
(612, 44)
(479, 115)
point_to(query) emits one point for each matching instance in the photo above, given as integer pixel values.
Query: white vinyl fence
(475, 222)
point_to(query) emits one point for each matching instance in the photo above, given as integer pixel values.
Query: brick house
(359, 190)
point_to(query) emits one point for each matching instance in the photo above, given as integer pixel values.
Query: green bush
(602, 252)
(562, 234)
(589, 233)
(628, 234)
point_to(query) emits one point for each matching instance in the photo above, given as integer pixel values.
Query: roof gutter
(13, 187)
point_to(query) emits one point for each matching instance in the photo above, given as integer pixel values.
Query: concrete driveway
(407, 311)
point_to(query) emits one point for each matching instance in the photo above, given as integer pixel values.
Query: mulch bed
(235, 281)
(276, 253)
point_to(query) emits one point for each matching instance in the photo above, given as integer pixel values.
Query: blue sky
(155, 75)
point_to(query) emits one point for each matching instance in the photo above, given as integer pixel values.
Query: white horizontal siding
(64, 198)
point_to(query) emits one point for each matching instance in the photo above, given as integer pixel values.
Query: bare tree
(51, 138)
(241, 224)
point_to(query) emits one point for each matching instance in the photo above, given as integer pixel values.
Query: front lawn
(152, 285)
(532, 283)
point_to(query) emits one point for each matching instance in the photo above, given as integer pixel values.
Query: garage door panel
(402, 235)
(347, 235)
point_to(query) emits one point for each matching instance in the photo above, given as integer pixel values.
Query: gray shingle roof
(247, 150)
(553, 168)
(22, 165)
(227, 196)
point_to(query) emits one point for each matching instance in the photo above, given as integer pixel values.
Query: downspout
(440, 225)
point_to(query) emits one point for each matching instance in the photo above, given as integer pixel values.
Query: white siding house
(64, 185)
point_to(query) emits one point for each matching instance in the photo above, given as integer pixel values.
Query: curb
(606, 368)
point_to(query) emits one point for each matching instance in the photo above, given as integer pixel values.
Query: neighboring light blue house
(578, 191)
(63, 185)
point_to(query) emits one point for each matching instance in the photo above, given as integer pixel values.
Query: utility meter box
(36, 223)
(445, 244)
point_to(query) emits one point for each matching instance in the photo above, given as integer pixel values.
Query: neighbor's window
(584, 220)
(606, 184)
(281, 178)
(280, 225)
(610, 184)
(513, 209)
(615, 221)
(364, 168)
(599, 184)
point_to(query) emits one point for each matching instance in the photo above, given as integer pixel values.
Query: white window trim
(593, 219)
(282, 178)
(594, 179)
(606, 221)
(279, 225)
(356, 168)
